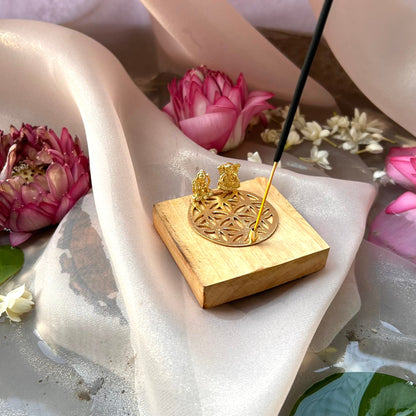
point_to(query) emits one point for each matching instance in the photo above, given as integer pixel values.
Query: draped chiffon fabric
(187, 361)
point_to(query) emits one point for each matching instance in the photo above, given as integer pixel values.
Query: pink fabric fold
(213, 33)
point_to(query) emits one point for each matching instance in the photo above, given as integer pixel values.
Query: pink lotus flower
(42, 176)
(212, 111)
(395, 227)
(401, 166)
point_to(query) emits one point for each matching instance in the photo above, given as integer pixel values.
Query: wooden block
(218, 274)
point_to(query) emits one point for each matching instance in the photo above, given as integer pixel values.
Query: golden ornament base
(218, 274)
(227, 217)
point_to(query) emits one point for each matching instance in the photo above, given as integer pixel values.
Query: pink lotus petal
(65, 205)
(396, 232)
(220, 104)
(402, 151)
(31, 193)
(400, 166)
(31, 218)
(10, 161)
(211, 131)
(404, 202)
(81, 187)
(199, 104)
(204, 92)
(29, 204)
(250, 110)
(236, 98)
(53, 139)
(168, 109)
(401, 171)
(242, 86)
(66, 142)
(18, 238)
(211, 89)
(57, 180)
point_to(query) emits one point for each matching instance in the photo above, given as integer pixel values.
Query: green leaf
(358, 394)
(11, 261)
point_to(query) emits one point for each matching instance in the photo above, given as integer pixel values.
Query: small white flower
(299, 121)
(360, 122)
(353, 138)
(16, 303)
(254, 157)
(374, 147)
(320, 157)
(314, 132)
(270, 136)
(382, 177)
(215, 151)
(293, 139)
(338, 124)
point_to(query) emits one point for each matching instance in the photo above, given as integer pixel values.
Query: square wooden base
(218, 274)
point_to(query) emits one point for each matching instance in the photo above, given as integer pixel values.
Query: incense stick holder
(228, 214)
(218, 273)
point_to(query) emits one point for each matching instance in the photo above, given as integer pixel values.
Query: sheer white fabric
(188, 361)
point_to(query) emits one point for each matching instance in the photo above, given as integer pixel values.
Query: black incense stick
(294, 105)
(302, 78)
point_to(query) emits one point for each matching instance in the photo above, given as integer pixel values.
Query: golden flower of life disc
(226, 218)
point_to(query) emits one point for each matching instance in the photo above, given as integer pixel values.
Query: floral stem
(330, 142)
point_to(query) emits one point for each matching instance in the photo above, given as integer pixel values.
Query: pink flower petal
(242, 86)
(236, 98)
(65, 205)
(199, 104)
(210, 131)
(30, 218)
(400, 168)
(81, 187)
(220, 104)
(10, 161)
(18, 238)
(404, 202)
(168, 109)
(202, 92)
(396, 232)
(57, 180)
(402, 151)
(211, 89)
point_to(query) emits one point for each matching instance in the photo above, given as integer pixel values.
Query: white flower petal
(16, 302)
(254, 157)
(374, 148)
(3, 307)
(16, 293)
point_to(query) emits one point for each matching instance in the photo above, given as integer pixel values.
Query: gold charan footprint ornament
(227, 214)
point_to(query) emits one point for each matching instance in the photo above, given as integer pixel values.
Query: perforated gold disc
(227, 217)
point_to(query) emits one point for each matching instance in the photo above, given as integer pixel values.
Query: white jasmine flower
(299, 121)
(320, 157)
(360, 122)
(353, 138)
(254, 157)
(314, 132)
(215, 151)
(16, 303)
(338, 123)
(293, 139)
(270, 136)
(382, 177)
(374, 147)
